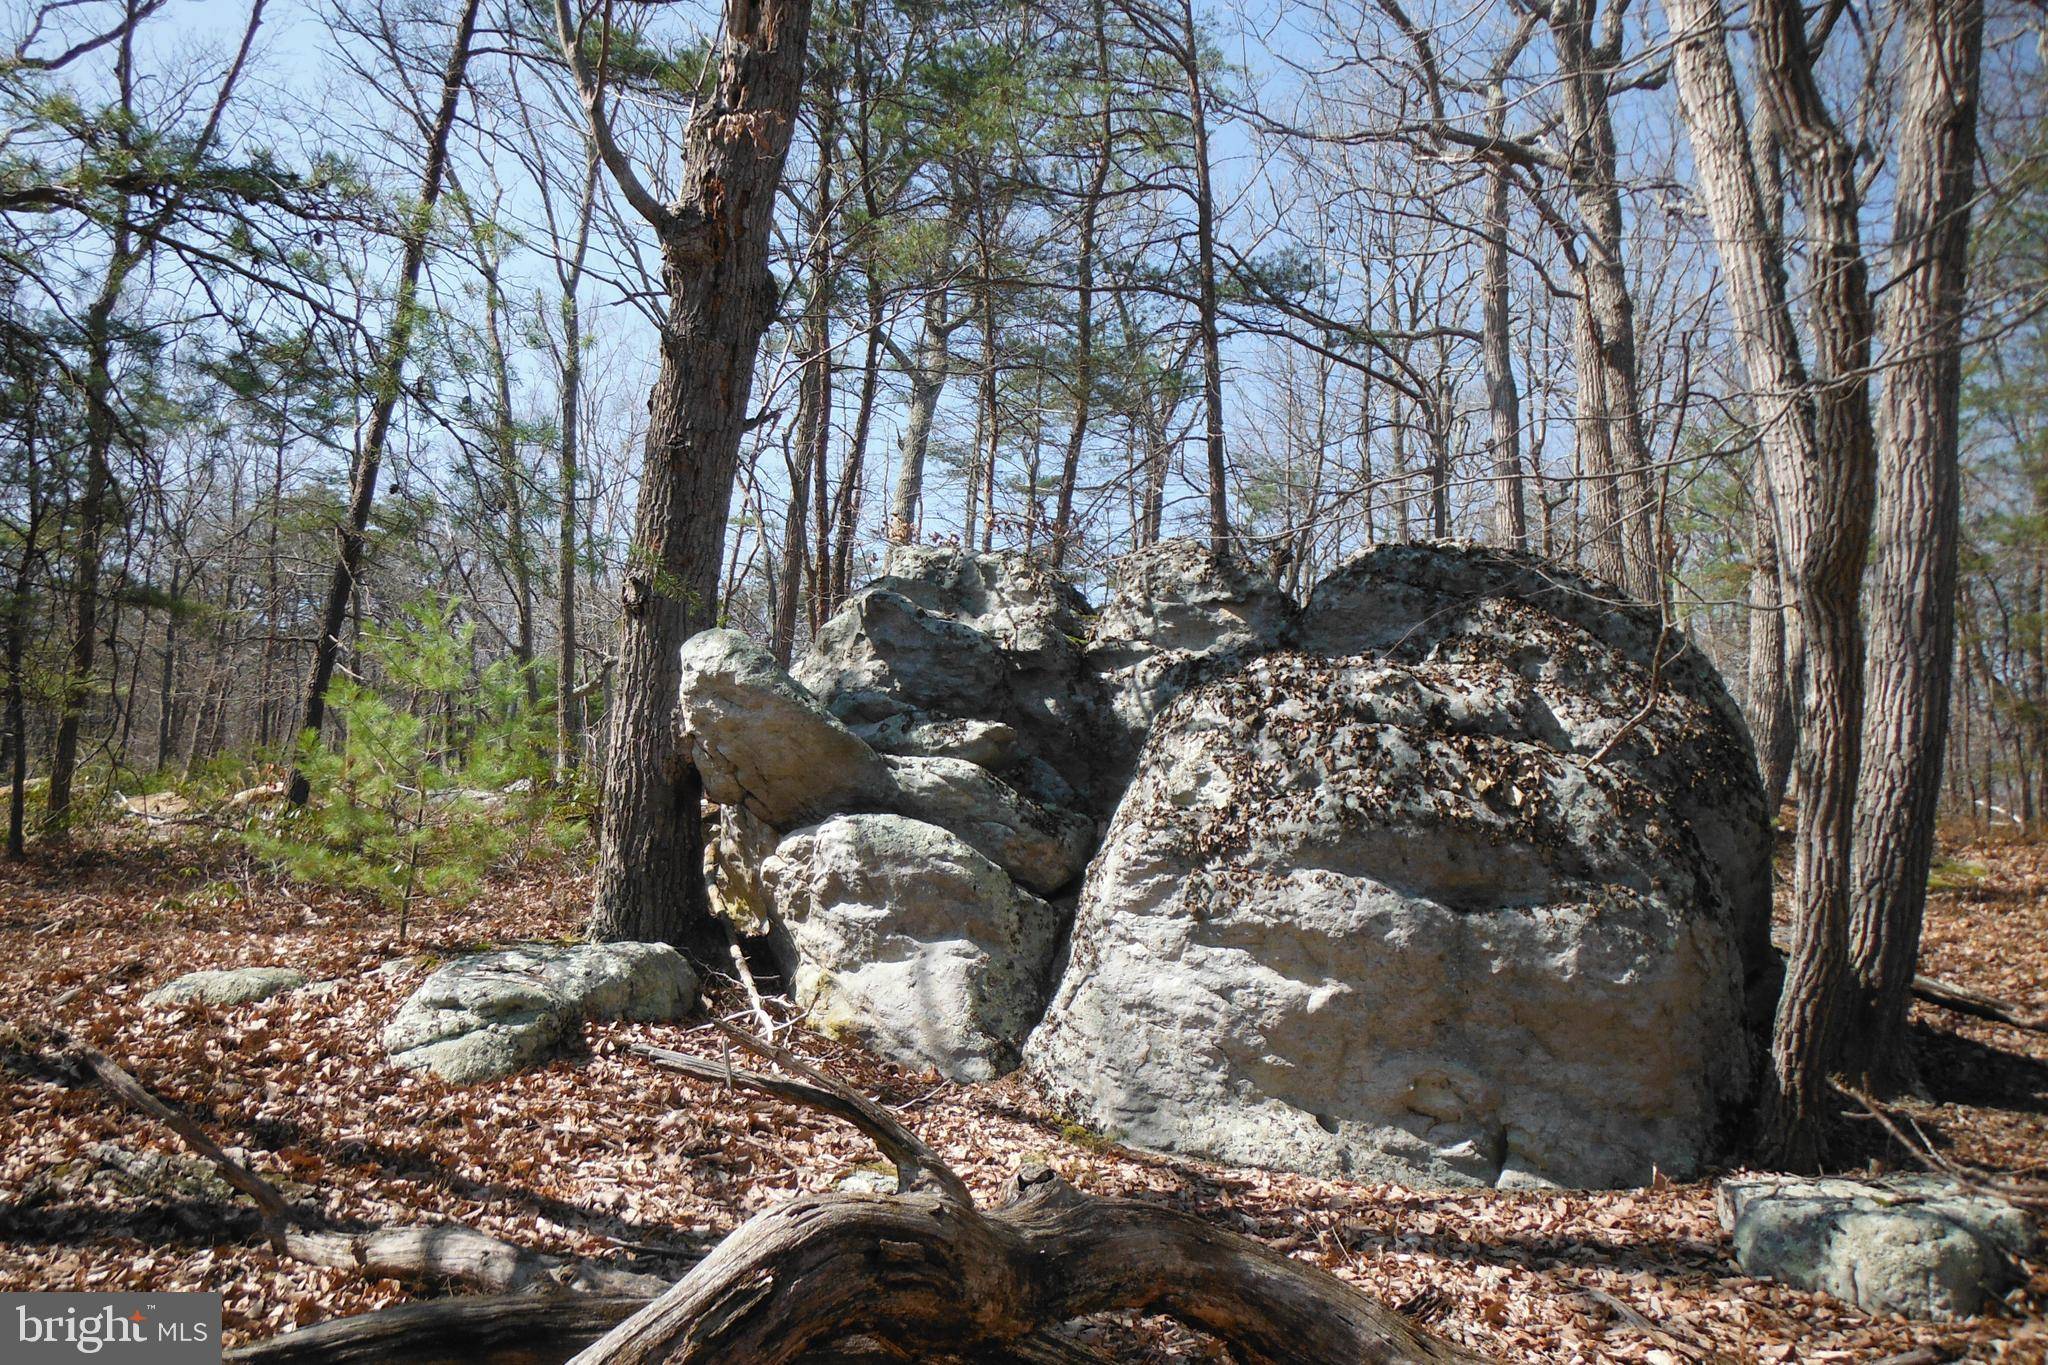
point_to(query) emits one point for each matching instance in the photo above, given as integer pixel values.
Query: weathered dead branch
(449, 1253)
(1963, 1000)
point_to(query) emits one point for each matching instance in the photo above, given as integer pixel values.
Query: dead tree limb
(443, 1252)
(928, 1273)
(76, 1059)
(463, 1255)
(1957, 999)
(917, 1166)
(521, 1329)
(513, 1329)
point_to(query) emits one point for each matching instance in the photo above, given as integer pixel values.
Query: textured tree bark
(927, 1275)
(1913, 621)
(1771, 721)
(1818, 443)
(515, 1329)
(1615, 450)
(1510, 517)
(714, 242)
(390, 374)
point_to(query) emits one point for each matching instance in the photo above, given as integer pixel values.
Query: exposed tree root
(927, 1272)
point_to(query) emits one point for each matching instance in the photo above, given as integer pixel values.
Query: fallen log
(515, 1329)
(930, 1274)
(463, 1255)
(450, 1252)
(1963, 1000)
(520, 1329)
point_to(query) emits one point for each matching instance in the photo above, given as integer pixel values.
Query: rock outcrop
(1606, 672)
(485, 1017)
(1363, 918)
(1456, 872)
(939, 729)
(1915, 1245)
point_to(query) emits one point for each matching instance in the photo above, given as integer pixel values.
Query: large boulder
(1363, 917)
(1612, 678)
(899, 934)
(1915, 1245)
(486, 1016)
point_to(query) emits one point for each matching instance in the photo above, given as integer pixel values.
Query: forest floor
(597, 1155)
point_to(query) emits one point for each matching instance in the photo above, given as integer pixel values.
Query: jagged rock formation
(902, 933)
(1454, 873)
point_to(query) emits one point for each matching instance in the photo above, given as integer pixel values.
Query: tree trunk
(568, 701)
(1817, 440)
(390, 377)
(93, 513)
(1613, 423)
(927, 377)
(505, 449)
(714, 240)
(17, 634)
(1771, 722)
(1205, 248)
(1084, 303)
(1511, 519)
(814, 419)
(1913, 622)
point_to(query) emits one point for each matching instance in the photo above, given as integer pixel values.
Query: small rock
(1920, 1246)
(235, 986)
(485, 1017)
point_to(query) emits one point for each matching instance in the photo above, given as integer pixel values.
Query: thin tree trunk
(1913, 622)
(568, 701)
(505, 448)
(927, 375)
(390, 376)
(17, 633)
(1205, 262)
(1511, 519)
(1607, 336)
(853, 472)
(1084, 303)
(1771, 722)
